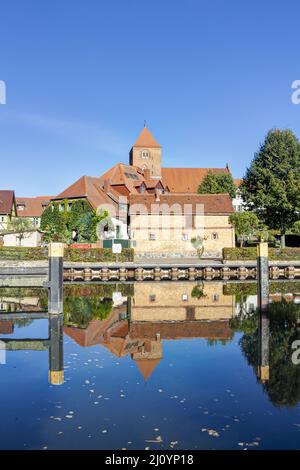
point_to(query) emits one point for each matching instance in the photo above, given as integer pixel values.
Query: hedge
(249, 254)
(250, 288)
(71, 254)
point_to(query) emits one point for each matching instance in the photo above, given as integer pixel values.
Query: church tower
(146, 154)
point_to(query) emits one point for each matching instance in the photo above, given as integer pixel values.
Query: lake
(151, 365)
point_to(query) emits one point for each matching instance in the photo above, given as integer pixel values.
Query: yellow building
(177, 225)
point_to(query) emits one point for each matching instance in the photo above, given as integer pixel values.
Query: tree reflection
(282, 383)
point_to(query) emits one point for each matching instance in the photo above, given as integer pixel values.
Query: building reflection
(137, 321)
(159, 311)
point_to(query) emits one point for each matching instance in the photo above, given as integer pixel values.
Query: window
(2, 219)
(21, 207)
(35, 220)
(61, 207)
(145, 154)
(131, 176)
(152, 236)
(142, 189)
(152, 298)
(184, 297)
(69, 206)
(184, 237)
(215, 298)
(215, 236)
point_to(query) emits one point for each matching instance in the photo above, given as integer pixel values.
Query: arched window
(145, 154)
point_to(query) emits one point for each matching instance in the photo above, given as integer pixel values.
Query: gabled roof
(186, 180)
(7, 201)
(87, 187)
(146, 139)
(147, 366)
(180, 203)
(33, 206)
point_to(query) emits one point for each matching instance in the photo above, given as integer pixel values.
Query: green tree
(216, 183)
(22, 226)
(53, 224)
(58, 223)
(271, 186)
(245, 225)
(296, 227)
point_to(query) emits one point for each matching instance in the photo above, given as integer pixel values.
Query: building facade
(8, 209)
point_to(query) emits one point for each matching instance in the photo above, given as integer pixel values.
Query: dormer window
(145, 154)
(21, 207)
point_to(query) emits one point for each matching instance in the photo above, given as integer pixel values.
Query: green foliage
(245, 225)
(296, 227)
(197, 243)
(23, 253)
(21, 225)
(98, 255)
(70, 254)
(198, 291)
(216, 183)
(98, 290)
(78, 215)
(271, 186)
(53, 225)
(242, 289)
(283, 386)
(248, 254)
(80, 311)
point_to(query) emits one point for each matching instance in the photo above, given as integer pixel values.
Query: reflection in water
(145, 327)
(267, 345)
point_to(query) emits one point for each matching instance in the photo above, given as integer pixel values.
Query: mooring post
(55, 279)
(262, 275)
(263, 347)
(56, 359)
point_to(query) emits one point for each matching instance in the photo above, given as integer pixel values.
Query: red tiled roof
(87, 187)
(146, 139)
(186, 180)
(184, 329)
(7, 199)
(213, 203)
(34, 206)
(238, 182)
(147, 366)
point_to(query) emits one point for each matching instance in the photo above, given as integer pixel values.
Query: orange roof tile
(7, 201)
(216, 329)
(212, 203)
(186, 180)
(146, 139)
(87, 187)
(147, 366)
(33, 206)
(238, 182)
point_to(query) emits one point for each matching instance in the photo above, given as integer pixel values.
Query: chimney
(147, 174)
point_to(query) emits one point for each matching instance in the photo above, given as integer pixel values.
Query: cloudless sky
(211, 77)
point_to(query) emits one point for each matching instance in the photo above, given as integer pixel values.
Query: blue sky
(209, 76)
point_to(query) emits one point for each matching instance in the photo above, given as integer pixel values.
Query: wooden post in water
(263, 371)
(56, 359)
(263, 301)
(262, 275)
(55, 284)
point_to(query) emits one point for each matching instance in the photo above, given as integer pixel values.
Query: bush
(71, 254)
(250, 254)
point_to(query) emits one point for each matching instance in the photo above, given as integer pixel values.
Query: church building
(137, 190)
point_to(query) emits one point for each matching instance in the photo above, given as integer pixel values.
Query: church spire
(146, 139)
